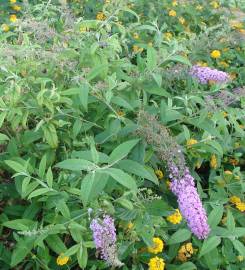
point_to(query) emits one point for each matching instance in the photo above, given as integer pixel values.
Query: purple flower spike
(206, 74)
(189, 202)
(104, 235)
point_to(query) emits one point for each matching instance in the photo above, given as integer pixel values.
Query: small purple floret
(104, 235)
(206, 74)
(190, 204)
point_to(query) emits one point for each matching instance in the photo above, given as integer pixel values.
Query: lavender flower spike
(189, 201)
(206, 74)
(104, 235)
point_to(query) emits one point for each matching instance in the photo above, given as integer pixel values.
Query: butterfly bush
(190, 204)
(206, 74)
(104, 235)
(182, 183)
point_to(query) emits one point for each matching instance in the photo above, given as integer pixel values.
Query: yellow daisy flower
(175, 218)
(240, 206)
(156, 263)
(5, 27)
(13, 18)
(62, 260)
(172, 13)
(215, 54)
(234, 199)
(213, 162)
(157, 247)
(16, 7)
(159, 174)
(191, 142)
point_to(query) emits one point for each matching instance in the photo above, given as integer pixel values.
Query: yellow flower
(236, 24)
(185, 251)
(214, 4)
(233, 75)
(100, 16)
(157, 247)
(130, 225)
(156, 263)
(215, 54)
(191, 142)
(12, 1)
(181, 20)
(225, 49)
(175, 218)
(202, 64)
(172, 13)
(13, 18)
(240, 258)
(199, 7)
(225, 114)
(174, 3)
(224, 64)
(240, 206)
(107, 1)
(233, 161)
(16, 7)
(137, 49)
(234, 199)
(168, 36)
(159, 174)
(5, 27)
(62, 260)
(120, 113)
(213, 162)
(136, 36)
(228, 172)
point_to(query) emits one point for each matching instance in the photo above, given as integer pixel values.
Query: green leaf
(42, 166)
(19, 224)
(180, 236)
(82, 256)
(55, 243)
(15, 166)
(2, 117)
(157, 208)
(83, 95)
(187, 266)
(72, 250)
(215, 216)
(22, 249)
(121, 177)
(75, 165)
(92, 185)
(122, 151)
(62, 207)
(151, 58)
(157, 91)
(209, 244)
(96, 71)
(49, 177)
(230, 223)
(137, 169)
(39, 192)
(3, 137)
(180, 59)
(239, 246)
(50, 135)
